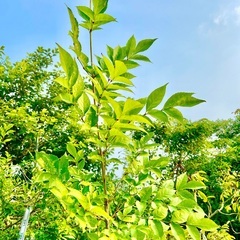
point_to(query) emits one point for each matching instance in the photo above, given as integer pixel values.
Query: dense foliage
(94, 163)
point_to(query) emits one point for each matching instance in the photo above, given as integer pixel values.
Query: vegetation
(94, 163)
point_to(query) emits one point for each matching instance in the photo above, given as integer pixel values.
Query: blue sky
(198, 46)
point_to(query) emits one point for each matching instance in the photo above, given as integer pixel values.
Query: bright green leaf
(144, 45)
(182, 99)
(177, 231)
(155, 97)
(193, 232)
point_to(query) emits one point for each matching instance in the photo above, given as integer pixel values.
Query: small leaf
(144, 45)
(155, 97)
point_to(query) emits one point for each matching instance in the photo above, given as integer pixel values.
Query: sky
(198, 46)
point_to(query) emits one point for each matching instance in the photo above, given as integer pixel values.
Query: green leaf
(177, 231)
(120, 68)
(187, 203)
(137, 118)
(100, 212)
(92, 117)
(71, 149)
(161, 162)
(84, 103)
(165, 193)
(78, 88)
(99, 6)
(202, 223)
(155, 97)
(103, 18)
(144, 45)
(85, 12)
(182, 99)
(130, 106)
(145, 194)
(116, 107)
(62, 81)
(63, 172)
(66, 61)
(66, 97)
(130, 64)
(110, 66)
(141, 206)
(157, 228)
(74, 74)
(181, 181)
(180, 216)
(161, 212)
(141, 58)
(74, 22)
(159, 115)
(174, 113)
(83, 200)
(194, 233)
(194, 185)
(130, 46)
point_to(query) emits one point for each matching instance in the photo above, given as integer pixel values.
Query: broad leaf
(194, 185)
(155, 97)
(158, 115)
(144, 45)
(181, 181)
(99, 6)
(84, 103)
(85, 12)
(193, 232)
(177, 231)
(182, 99)
(174, 113)
(66, 61)
(130, 46)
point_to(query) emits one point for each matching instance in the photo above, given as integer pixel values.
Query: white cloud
(237, 14)
(228, 16)
(222, 18)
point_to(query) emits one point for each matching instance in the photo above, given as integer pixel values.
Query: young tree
(140, 204)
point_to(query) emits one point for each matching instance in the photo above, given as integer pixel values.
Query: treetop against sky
(198, 46)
